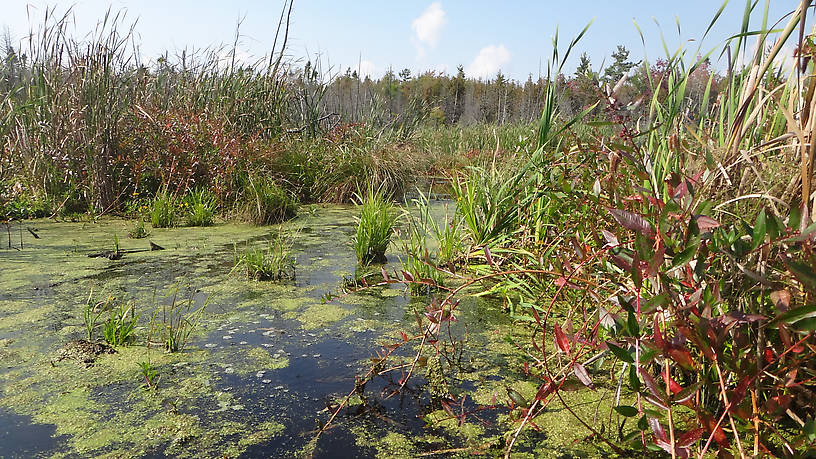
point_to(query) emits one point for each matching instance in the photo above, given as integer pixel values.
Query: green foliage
(120, 326)
(150, 375)
(266, 202)
(138, 231)
(430, 245)
(179, 319)
(375, 225)
(620, 65)
(488, 202)
(200, 208)
(274, 263)
(164, 210)
(91, 314)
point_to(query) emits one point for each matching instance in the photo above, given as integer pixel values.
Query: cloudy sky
(373, 36)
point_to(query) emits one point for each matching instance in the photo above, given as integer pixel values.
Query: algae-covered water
(258, 372)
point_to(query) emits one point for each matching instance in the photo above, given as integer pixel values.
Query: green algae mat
(261, 364)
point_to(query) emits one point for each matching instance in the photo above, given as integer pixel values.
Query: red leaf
(688, 438)
(488, 256)
(659, 433)
(545, 390)
(631, 221)
(683, 357)
(650, 383)
(657, 336)
(706, 224)
(561, 339)
(611, 239)
(408, 276)
(719, 434)
(673, 386)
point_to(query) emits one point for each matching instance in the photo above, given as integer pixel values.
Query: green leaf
(796, 314)
(803, 273)
(626, 410)
(632, 325)
(643, 423)
(759, 230)
(806, 325)
(687, 254)
(620, 353)
(634, 381)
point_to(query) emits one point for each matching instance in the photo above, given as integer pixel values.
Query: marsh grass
(275, 262)
(164, 210)
(375, 226)
(430, 246)
(266, 202)
(200, 208)
(120, 326)
(179, 319)
(138, 231)
(92, 312)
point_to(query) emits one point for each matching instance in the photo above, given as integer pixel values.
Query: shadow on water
(19, 438)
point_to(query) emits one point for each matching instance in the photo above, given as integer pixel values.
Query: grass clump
(179, 319)
(138, 231)
(267, 202)
(374, 226)
(119, 329)
(200, 208)
(163, 210)
(273, 263)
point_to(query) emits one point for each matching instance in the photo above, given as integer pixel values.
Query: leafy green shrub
(374, 227)
(163, 210)
(200, 208)
(266, 202)
(274, 263)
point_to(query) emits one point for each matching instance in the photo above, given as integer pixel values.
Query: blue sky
(481, 35)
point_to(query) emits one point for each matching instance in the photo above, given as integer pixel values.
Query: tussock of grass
(375, 225)
(200, 208)
(266, 202)
(273, 263)
(163, 211)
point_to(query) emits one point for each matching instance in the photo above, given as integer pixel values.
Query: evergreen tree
(619, 67)
(584, 66)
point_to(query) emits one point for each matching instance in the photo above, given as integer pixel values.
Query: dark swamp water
(258, 372)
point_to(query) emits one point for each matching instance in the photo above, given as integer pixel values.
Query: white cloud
(427, 28)
(488, 62)
(429, 24)
(367, 69)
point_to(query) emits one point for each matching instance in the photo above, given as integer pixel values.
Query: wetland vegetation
(606, 264)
